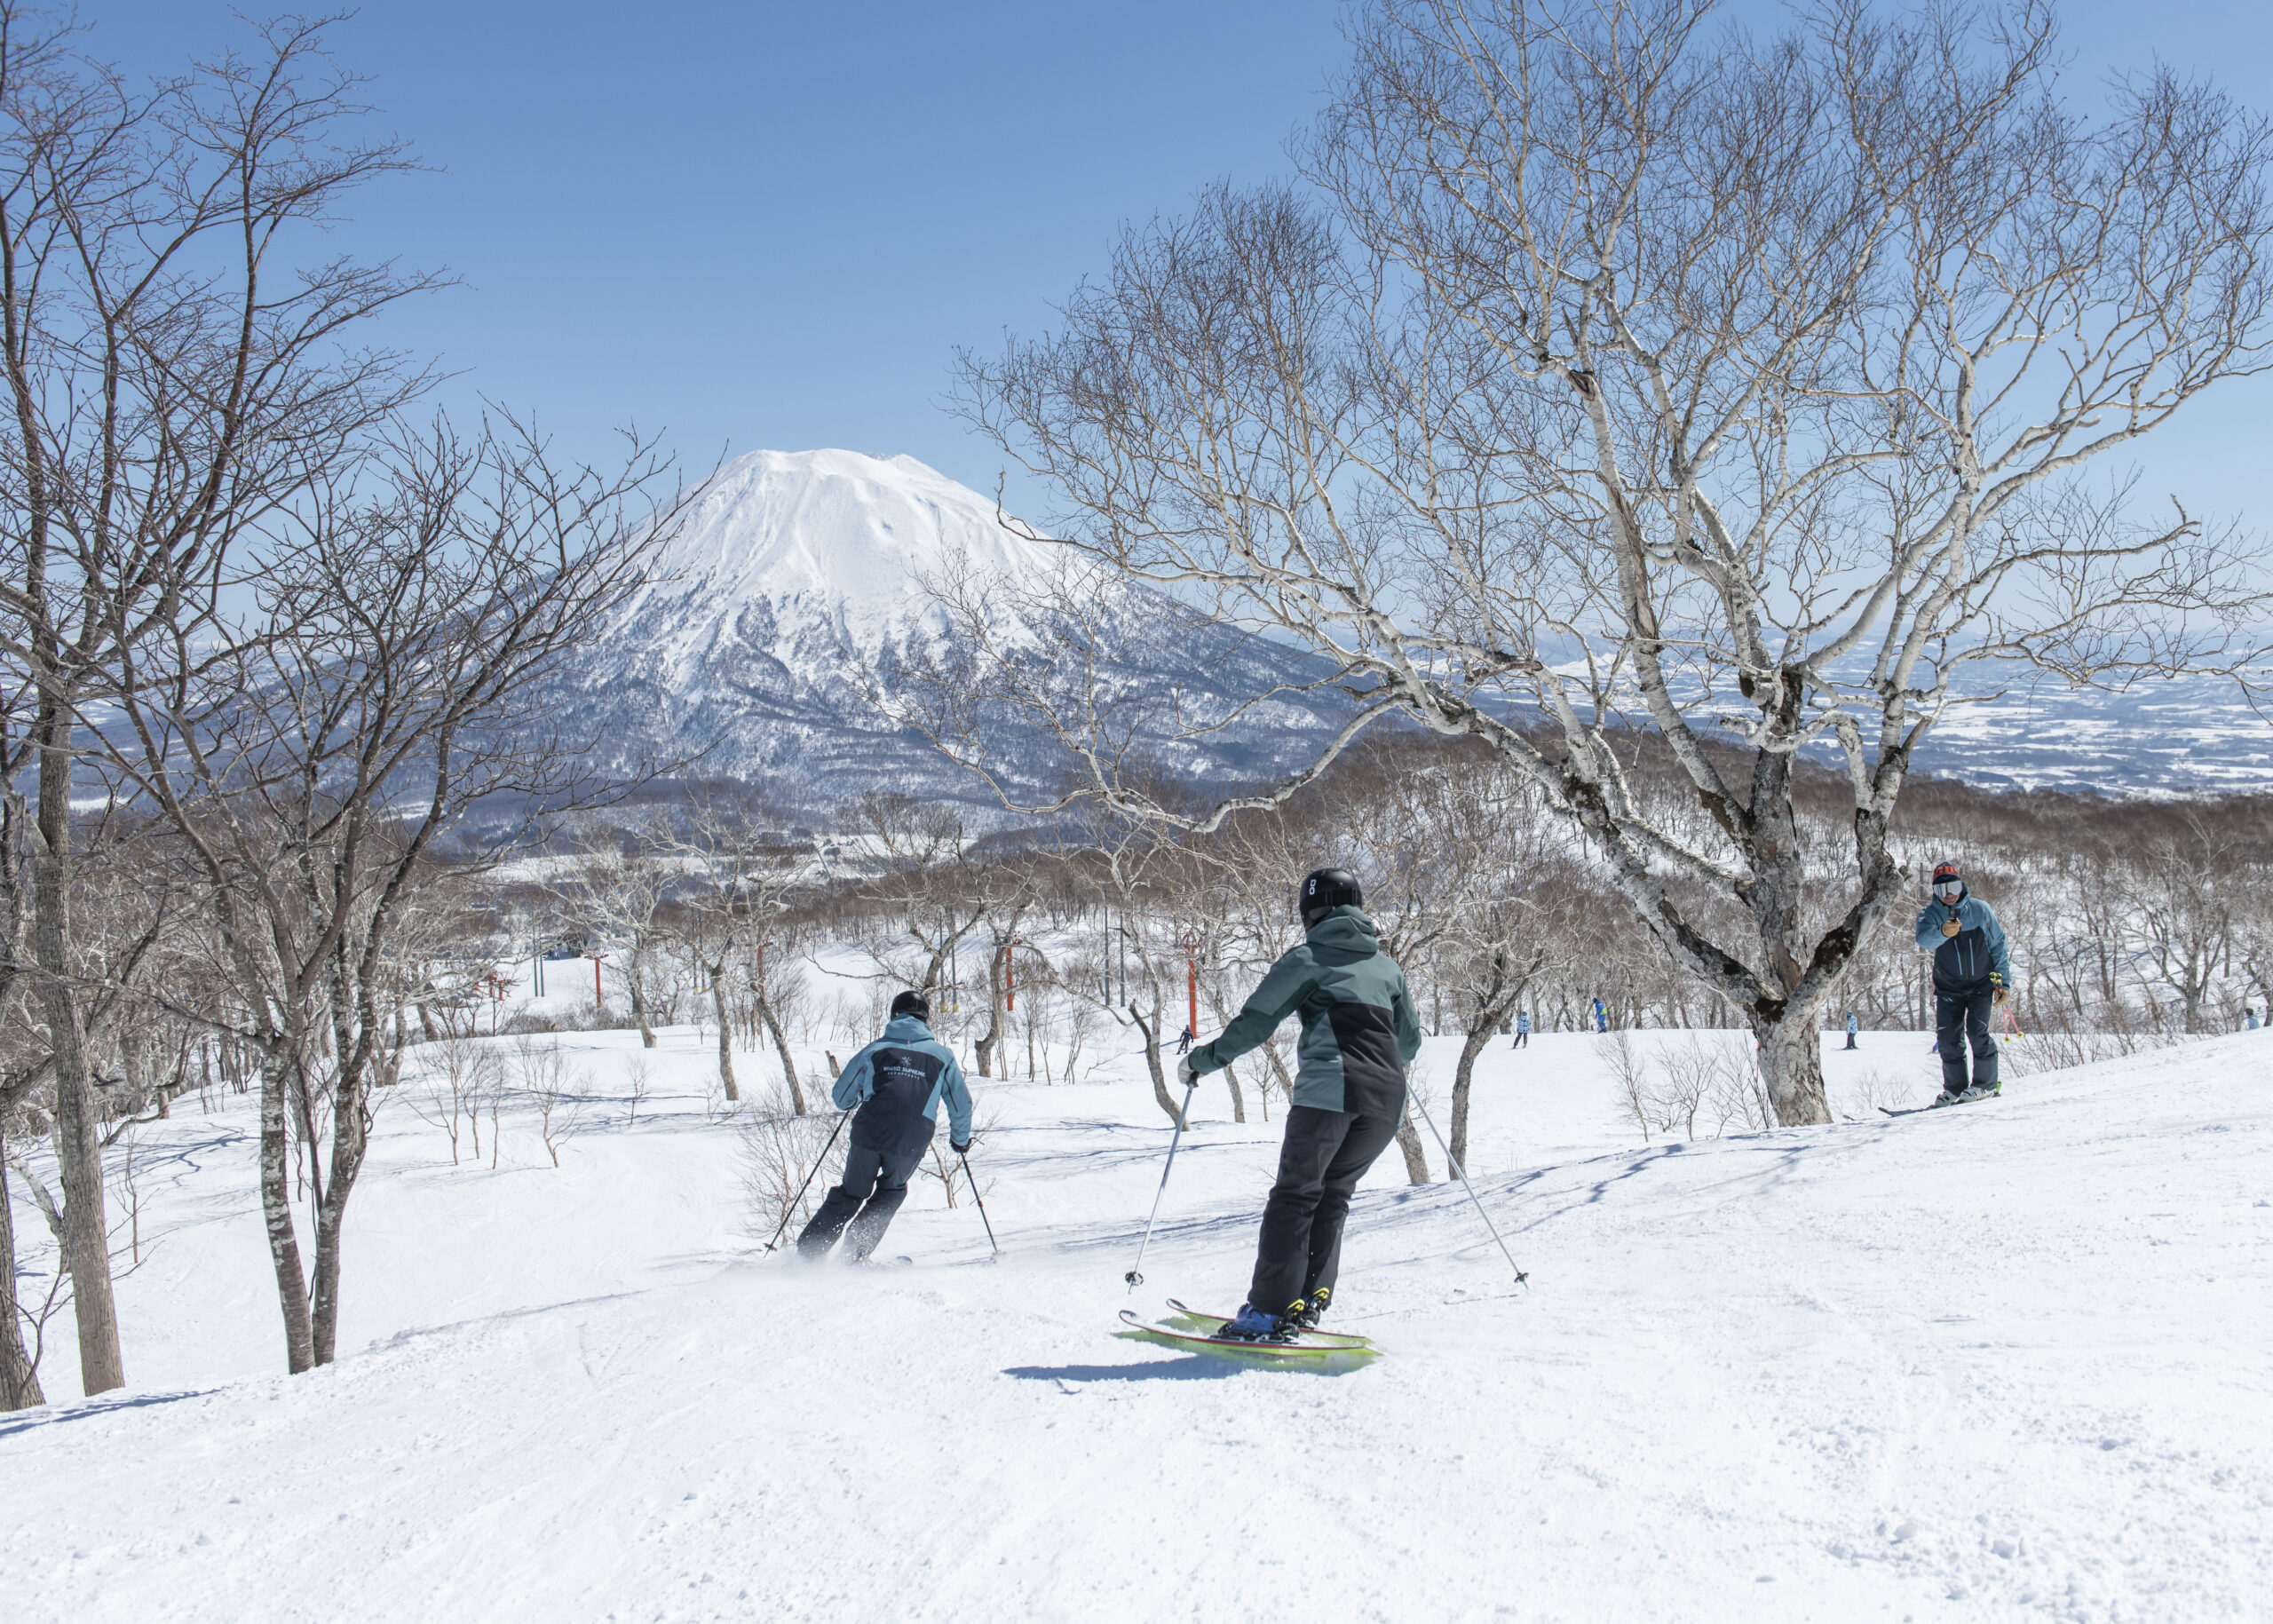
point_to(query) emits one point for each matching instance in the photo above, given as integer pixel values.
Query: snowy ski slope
(2003, 1362)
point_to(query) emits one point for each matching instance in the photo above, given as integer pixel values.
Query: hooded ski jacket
(898, 1082)
(1359, 1032)
(1964, 963)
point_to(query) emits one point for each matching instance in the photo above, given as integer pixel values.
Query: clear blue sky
(768, 224)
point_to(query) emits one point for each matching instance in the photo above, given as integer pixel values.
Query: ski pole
(1459, 1172)
(1135, 1277)
(808, 1184)
(981, 1199)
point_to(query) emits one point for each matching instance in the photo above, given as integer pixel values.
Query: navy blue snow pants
(876, 1183)
(1960, 1016)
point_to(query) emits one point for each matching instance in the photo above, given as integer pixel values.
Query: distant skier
(2249, 1018)
(1183, 1042)
(1972, 975)
(1359, 1034)
(1522, 1030)
(1851, 1028)
(1601, 1015)
(896, 1083)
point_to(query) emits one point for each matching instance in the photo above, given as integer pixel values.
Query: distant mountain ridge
(794, 598)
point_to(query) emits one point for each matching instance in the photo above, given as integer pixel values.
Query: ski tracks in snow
(1999, 1362)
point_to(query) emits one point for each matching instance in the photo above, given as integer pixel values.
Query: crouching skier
(898, 1082)
(1359, 1034)
(1973, 973)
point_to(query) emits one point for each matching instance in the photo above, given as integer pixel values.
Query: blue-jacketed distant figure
(896, 1083)
(1972, 975)
(1851, 1028)
(1601, 1015)
(1522, 1029)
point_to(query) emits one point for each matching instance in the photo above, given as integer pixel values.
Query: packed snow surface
(2007, 1361)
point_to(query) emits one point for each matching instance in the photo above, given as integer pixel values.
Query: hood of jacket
(907, 1029)
(1347, 929)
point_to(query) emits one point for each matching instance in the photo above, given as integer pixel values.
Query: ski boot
(1972, 1094)
(1251, 1324)
(1944, 1098)
(1306, 1311)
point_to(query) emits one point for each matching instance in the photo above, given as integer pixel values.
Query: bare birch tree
(312, 765)
(735, 878)
(1748, 389)
(173, 375)
(614, 882)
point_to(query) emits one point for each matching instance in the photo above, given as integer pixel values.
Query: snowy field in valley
(2007, 1361)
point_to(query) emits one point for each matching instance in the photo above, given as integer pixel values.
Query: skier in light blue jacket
(897, 1084)
(1973, 973)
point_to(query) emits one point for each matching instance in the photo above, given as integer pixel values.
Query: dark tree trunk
(983, 1049)
(638, 979)
(1408, 1143)
(1463, 1074)
(717, 973)
(781, 1048)
(1486, 1021)
(19, 1387)
(276, 1209)
(1152, 1030)
(351, 1123)
(78, 1141)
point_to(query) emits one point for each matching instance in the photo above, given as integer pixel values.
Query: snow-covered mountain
(790, 607)
(795, 598)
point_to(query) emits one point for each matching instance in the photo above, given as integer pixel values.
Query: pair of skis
(1936, 1106)
(1196, 1333)
(1307, 1344)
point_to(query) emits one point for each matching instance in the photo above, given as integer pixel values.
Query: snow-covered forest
(445, 880)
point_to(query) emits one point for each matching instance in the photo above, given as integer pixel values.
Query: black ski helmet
(1325, 890)
(912, 1003)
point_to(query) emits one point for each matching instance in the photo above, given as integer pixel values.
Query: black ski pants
(1522, 1039)
(1321, 1159)
(876, 1183)
(1961, 1017)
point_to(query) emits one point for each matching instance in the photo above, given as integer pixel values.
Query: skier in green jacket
(1359, 1034)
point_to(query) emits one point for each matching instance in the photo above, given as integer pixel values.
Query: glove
(958, 1145)
(1950, 926)
(2003, 994)
(1184, 1075)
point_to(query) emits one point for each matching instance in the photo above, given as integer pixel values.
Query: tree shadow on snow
(24, 1421)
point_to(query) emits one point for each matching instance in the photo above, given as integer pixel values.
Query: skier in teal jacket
(1359, 1034)
(897, 1084)
(1973, 973)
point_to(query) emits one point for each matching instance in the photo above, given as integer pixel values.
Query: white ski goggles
(1948, 888)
